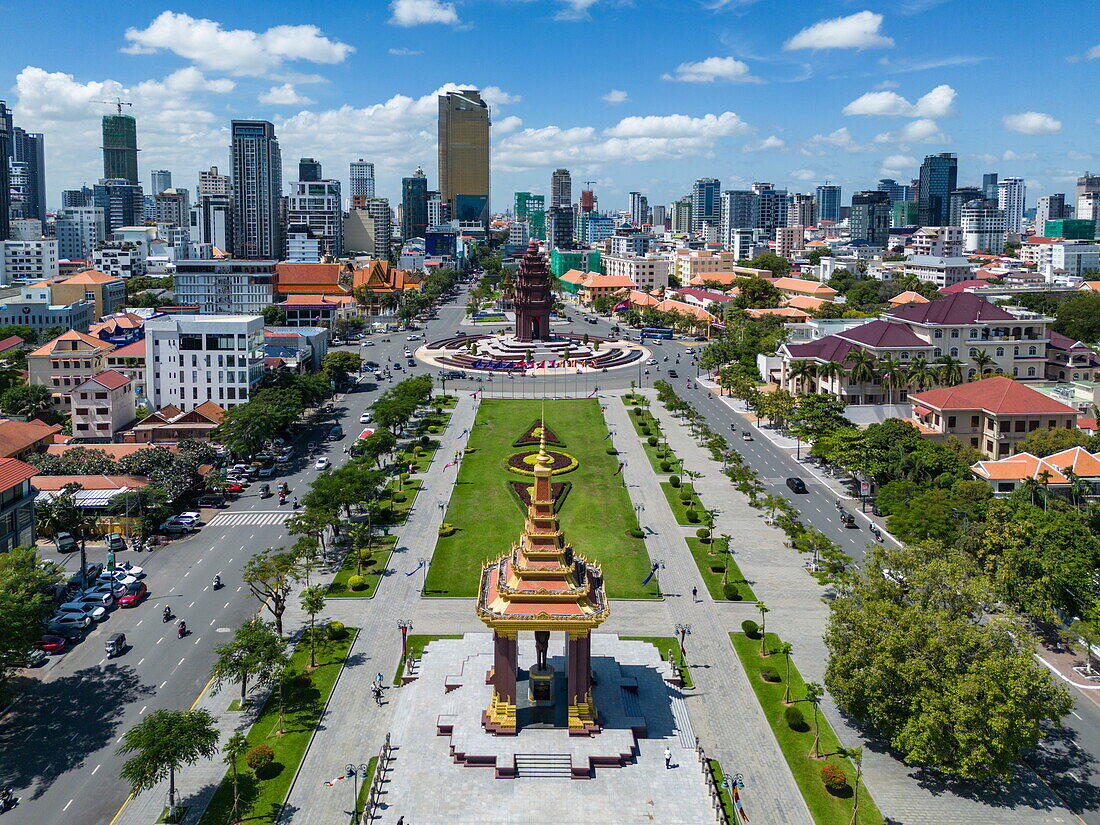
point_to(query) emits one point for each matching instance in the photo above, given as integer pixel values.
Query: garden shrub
(425, 441)
(750, 629)
(400, 498)
(674, 481)
(730, 591)
(636, 533)
(693, 516)
(259, 758)
(637, 411)
(447, 529)
(612, 451)
(666, 466)
(652, 441)
(433, 430)
(794, 717)
(834, 778)
(703, 534)
(335, 630)
(356, 583)
(404, 476)
(769, 674)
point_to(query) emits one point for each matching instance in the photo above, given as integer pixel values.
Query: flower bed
(534, 434)
(522, 489)
(524, 463)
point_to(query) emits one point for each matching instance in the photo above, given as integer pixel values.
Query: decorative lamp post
(353, 770)
(404, 626)
(683, 630)
(658, 566)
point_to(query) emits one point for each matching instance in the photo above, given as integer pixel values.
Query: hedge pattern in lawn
(524, 463)
(534, 435)
(558, 489)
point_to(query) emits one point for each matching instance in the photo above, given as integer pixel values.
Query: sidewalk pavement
(799, 615)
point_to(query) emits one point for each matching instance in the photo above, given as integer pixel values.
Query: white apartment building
(211, 183)
(23, 261)
(362, 179)
(192, 359)
(649, 271)
(1067, 258)
(788, 239)
(121, 259)
(78, 229)
(687, 263)
(224, 285)
(102, 405)
(1011, 193)
(632, 243)
(940, 241)
(317, 205)
(983, 227)
(518, 234)
(938, 270)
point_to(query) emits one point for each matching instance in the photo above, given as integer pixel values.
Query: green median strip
(719, 570)
(370, 569)
(680, 509)
(827, 807)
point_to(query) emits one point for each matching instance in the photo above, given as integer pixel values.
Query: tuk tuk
(115, 645)
(284, 489)
(265, 491)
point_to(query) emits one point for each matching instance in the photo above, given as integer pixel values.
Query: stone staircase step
(683, 722)
(557, 765)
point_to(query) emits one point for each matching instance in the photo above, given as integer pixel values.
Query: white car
(366, 343)
(96, 612)
(190, 518)
(130, 569)
(652, 362)
(413, 337)
(118, 576)
(366, 417)
(322, 464)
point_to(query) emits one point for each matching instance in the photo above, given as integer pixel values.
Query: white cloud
(236, 51)
(936, 103)
(772, 142)
(894, 165)
(403, 52)
(420, 12)
(1091, 54)
(615, 96)
(856, 31)
(917, 131)
(506, 125)
(712, 69)
(840, 139)
(804, 174)
(284, 95)
(1032, 123)
(887, 84)
(1073, 154)
(680, 126)
(496, 96)
(575, 10)
(1010, 154)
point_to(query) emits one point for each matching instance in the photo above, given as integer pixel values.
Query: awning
(367, 433)
(921, 410)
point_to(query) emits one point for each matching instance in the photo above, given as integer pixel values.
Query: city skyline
(849, 98)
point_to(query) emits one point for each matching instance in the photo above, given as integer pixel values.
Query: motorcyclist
(217, 581)
(295, 503)
(181, 628)
(167, 613)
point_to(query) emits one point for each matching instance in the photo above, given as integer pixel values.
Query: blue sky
(642, 95)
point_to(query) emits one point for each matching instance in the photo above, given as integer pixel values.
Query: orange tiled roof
(72, 335)
(997, 395)
(1025, 465)
(908, 297)
(595, 280)
(805, 302)
(13, 472)
(134, 350)
(804, 287)
(90, 276)
(668, 305)
(782, 312)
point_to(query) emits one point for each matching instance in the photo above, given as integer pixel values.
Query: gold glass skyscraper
(464, 154)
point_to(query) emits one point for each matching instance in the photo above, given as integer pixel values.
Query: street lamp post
(353, 770)
(658, 566)
(684, 630)
(404, 626)
(423, 562)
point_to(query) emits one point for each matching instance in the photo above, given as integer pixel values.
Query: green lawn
(373, 570)
(400, 510)
(596, 517)
(364, 786)
(665, 644)
(304, 704)
(416, 644)
(826, 808)
(704, 560)
(679, 509)
(727, 800)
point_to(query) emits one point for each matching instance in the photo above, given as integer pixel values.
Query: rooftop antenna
(118, 102)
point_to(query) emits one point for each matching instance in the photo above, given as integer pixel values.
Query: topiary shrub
(693, 516)
(356, 583)
(794, 717)
(730, 591)
(834, 778)
(433, 430)
(750, 629)
(259, 758)
(769, 674)
(425, 441)
(703, 534)
(652, 441)
(666, 466)
(446, 529)
(612, 451)
(636, 533)
(399, 498)
(637, 411)
(674, 481)
(404, 476)
(645, 430)
(335, 630)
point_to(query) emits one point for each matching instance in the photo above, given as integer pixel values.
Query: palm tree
(831, 370)
(800, 370)
(814, 692)
(949, 371)
(919, 374)
(763, 608)
(785, 649)
(893, 375)
(982, 361)
(862, 369)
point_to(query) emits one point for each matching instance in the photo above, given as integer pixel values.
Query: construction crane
(117, 102)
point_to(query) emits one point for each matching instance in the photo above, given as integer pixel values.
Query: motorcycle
(282, 499)
(8, 799)
(181, 630)
(167, 615)
(217, 583)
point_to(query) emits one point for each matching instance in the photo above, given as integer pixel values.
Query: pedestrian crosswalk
(248, 518)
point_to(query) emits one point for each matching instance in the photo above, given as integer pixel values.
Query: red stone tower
(533, 299)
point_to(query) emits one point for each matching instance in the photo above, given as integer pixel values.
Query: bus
(656, 332)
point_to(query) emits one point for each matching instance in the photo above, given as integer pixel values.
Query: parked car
(212, 500)
(190, 517)
(106, 593)
(673, 374)
(115, 542)
(135, 592)
(174, 526)
(52, 644)
(70, 632)
(322, 464)
(266, 472)
(34, 657)
(95, 612)
(371, 365)
(76, 621)
(130, 569)
(65, 542)
(796, 484)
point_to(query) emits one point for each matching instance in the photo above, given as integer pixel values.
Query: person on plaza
(695, 594)
(668, 759)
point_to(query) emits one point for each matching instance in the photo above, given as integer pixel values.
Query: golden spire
(543, 458)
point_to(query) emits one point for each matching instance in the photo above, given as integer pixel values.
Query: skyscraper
(463, 128)
(211, 183)
(896, 191)
(1011, 194)
(740, 209)
(938, 176)
(5, 183)
(958, 199)
(870, 218)
(316, 208)
(28, 149)
(173, 207)
(681, 215)
(1049, 208)
(639, 209)
(561, 188)
(120, 148)
(122, 202)
(309, 170)
(802, 211)
(414, 205)
(73, 198)
(559, 227)
(773, 207)
(828, 203)
(989, 186)
(362, 179)
(983, 226)
(161, 180)
(257, 189)
(706, 207)
(588, 200)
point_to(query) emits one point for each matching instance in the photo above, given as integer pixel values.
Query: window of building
(1020, 426)
(954, 333)
(1031, 372)
(1000, 352)
(974, 421)
(951, 422)
(954, 352)
(973, 352)
(1032, 351)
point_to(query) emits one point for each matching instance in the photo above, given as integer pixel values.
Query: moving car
(52, 644)
(65, 542)
(135, 592)
(366, 343)
(366, 417)
(847, 519)
(416, 336)
(673, 374)
(652, 362)
(796, 484)
(115, 542)
(451, 374)
(746, 436)
(322, 464)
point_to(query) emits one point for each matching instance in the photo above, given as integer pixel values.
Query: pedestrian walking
(377, 691)
(668, 759)
(379, 678)
(695, 594)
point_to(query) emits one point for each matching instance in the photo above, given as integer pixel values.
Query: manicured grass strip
(667, 644)
(400, 509)
(416, 645)
(304, 703)
(364, 787)
(679, 509)
(675, 467)
(633, 400)
(826, 808)
(727, 800)
(373, 567)
(713, 553)
(596, 517)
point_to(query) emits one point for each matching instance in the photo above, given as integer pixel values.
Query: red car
(235, 489)
(135, 592)
(52, 644)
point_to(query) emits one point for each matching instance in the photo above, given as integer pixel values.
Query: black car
(397, 367)
(412, 362)
(673, 374)
(65, 543)
(796, 484)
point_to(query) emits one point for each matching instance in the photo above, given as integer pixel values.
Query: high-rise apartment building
(1011, 194)
(802, 211)
(706, 207)
(740, 209)
(828, 202)
(309, 170)
(588, 200)
(989, 186)
(84, 196)
(28, 155)
(983, 226)
(362, 179)
(173, 207)
(938, 176)
(773, 207)
(120, 148)
(414, 205)
(161, 180)
(78, 229)
(368, 228)
(896, 191)
(561, 188)
(211, 183)
(559, 227)
(5, 181)
(122, 202)
(212, 221)
(658, 215)
(958, 199)
(870, 217)
(681, 215)
(639, 209)
(463, 128)
(1049, 208)
(317, 206)
(257, 190)
(525, 203)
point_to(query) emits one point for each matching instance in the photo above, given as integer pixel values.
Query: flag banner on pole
(717, 325)
(451, 464)
(336, 779)
(649, 578)
(737, 804)
(620, 469)
(621, 306)
(415, 568)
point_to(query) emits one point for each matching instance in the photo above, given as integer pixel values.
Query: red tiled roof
(883, 335)
(17, 436)
(955, 308)
(134, 350)
(961, 286)
(110, 379)
(11, 342)
(13, 472)
(89, 482)
(997, 395)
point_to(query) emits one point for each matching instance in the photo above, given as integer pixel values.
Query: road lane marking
(139, 623)
(96, 768)
(67, 804)
(142, 659)
(206, 588)
(227, 603)
(239, 589)
(143, 707)
(198, 640)
(181, 661)
(162, 684)
(188, 573)
(190, 605)
(212, 621)
(1075, 714)
(101, 661)
(161, 639)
